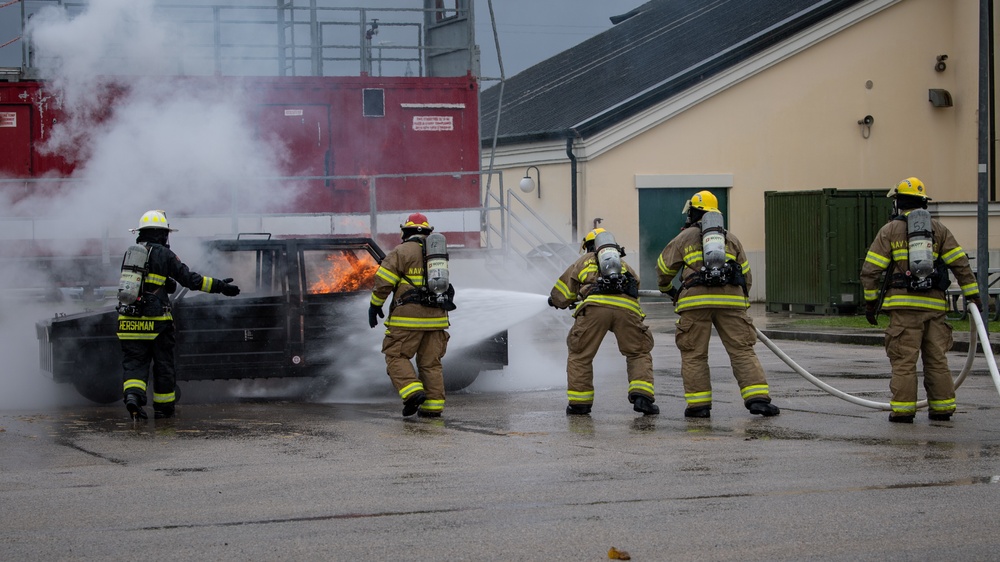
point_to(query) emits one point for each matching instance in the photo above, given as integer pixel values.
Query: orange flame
(346, 273)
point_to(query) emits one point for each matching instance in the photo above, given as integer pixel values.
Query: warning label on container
(433, 123)
(8, 119)
(293, 113)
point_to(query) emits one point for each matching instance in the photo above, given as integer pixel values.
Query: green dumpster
(815, 243)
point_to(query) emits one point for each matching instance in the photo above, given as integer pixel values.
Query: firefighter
(145, 325)
(916, 253)
(715, 282)
(604, 290)
(417, 322)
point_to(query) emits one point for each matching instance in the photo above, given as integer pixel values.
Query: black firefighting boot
(578, 410)
(163, 411)
(428, 414)
(642, 403)
(939, 416)
(900, 419)
(412, 404)
(763, 408)
(133, 403)
(698, 412)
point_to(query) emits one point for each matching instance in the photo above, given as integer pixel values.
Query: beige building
(773, 102)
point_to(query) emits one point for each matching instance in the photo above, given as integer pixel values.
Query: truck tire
(103, 390)
(458, 378)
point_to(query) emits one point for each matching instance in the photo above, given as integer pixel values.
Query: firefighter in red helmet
(151, 271)
(604, 290)
(715, 274)
(417, 322)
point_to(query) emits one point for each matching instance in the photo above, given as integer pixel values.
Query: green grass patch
(859, 322)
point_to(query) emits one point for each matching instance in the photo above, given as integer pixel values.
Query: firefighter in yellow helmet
(145, 323)
(915, 253)
(715, 281)
(417, 324)
(605, 293)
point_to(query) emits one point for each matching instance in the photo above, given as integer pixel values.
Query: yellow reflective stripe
(377, 301)
(564, 290)
(135, 383)
(662, 265)
(206, 284)
(580, 396)
(432, 405)
(582, 276)
(901, 255)
(698, 397)
(953, 255)
(970, 289)
(871, 294)
(914, 301)
(409, 389)
(387, 275)
(615, 300)
(903, 407)
(877, 260)
(155, 279)
(438, 323)
(745, 266)
(696, 301)
(941, 405)
(640, 385)
(753, 390)
(692, 257)
(136, 336)
(164, 398)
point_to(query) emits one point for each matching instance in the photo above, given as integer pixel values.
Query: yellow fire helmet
(589, 238)
(703, 200)
(910, 186)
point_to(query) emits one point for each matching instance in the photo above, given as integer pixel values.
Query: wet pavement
(505, 474)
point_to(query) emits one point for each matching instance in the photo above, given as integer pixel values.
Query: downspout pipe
(572, 182)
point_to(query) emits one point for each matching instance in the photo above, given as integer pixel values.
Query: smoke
(138, 141)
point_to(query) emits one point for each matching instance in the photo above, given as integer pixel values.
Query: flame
(346, 273)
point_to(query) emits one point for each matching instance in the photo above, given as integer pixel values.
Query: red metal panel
(15, 140)
(303, 131)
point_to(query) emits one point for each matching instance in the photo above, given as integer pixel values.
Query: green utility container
(815, 243)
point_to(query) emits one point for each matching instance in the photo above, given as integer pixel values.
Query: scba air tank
(920, 243)
(609, 257)
(713, 240)
(133, 268)
(437, 263)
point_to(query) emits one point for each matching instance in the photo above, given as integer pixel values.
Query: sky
(530, 31)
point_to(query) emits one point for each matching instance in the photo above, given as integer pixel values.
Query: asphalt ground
(506, 475)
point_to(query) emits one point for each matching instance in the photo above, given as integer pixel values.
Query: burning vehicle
(301, 300)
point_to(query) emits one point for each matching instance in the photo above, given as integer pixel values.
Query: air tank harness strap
(624, 284)
(732, 275)
(938, 280)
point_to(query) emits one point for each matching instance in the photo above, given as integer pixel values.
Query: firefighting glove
(552, 304)
(374, 313)
(672, 293)
(227, 288)
(870, 313)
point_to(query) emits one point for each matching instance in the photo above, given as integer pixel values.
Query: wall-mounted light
(866, 125)
(939, 98)
(527, 184)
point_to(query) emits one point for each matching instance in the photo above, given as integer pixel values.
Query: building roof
(657, 51)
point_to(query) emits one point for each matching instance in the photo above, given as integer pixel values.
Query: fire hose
(976, 328)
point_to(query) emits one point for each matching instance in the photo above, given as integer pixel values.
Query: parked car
(300, 300)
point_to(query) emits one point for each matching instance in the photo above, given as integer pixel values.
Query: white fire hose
(975, 328)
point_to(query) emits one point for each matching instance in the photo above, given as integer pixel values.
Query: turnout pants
(735, 328)
(912, 334)
(400, 346)
(137, 355)
(635, 342)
